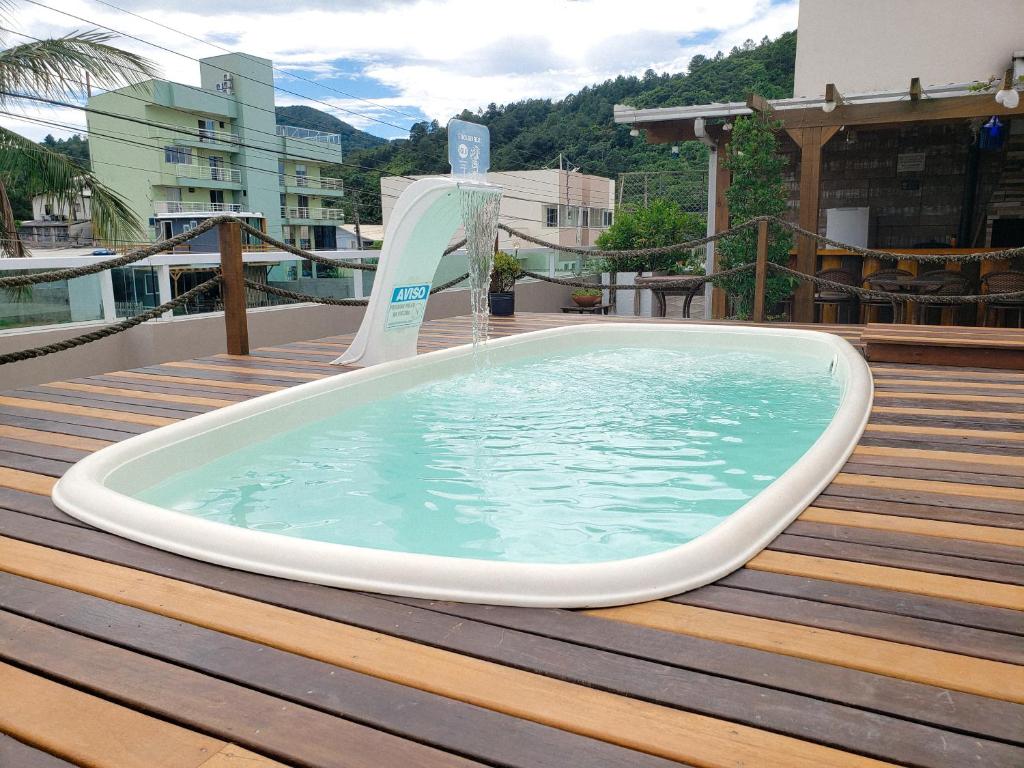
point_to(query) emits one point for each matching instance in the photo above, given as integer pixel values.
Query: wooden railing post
(233, 288)
(760, 271)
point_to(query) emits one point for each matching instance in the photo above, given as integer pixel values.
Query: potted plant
(587, 297)
(501, 296)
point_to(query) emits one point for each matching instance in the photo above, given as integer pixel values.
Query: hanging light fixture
(1007, 95)
(634, 131)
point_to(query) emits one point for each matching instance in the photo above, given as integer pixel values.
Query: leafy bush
(587, 292)
(658, 224)
(504, 273)
(757, 189)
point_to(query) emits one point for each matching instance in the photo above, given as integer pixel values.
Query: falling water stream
(480, 221)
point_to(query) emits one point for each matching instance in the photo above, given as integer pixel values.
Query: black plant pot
(502, 304)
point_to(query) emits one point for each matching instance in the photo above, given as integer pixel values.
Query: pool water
(592, 455)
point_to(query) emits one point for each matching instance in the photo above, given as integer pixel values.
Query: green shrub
(660, 223)
(757, 189)
(504, 273)
(587, 292)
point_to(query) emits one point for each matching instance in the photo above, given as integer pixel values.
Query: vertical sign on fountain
(469, 149)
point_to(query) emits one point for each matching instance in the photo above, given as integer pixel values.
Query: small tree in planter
(586, 297)
(657, 224)
(501, 295)
(757, 189)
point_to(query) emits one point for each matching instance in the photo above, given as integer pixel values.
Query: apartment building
(181, 153)
(564, 207)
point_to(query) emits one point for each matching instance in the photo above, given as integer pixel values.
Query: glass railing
(293, 132)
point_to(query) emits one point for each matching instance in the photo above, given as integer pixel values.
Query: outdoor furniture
(662, 286)
(938, 282)
(1009, 281)
(597, 309)
(890, 281)
(832, 297)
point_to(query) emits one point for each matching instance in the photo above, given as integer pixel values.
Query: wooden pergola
(810, 123)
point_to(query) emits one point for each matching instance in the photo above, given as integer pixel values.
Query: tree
(757, 189)
(658, 224)
(57, 69)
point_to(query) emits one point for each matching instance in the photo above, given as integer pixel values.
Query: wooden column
(760, 271)
(233, 288)
(719, 305)
(809, 140)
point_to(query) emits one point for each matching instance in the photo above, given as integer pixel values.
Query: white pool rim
(83, 491)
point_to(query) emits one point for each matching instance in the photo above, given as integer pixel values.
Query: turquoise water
(579, 457)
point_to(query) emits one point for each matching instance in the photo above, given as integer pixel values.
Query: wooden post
(810, 142)
(723, 177)
(760, 271)
(233, 288)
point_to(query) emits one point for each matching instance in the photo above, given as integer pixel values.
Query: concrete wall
(526, 196)
(189, 337)
(878, 45)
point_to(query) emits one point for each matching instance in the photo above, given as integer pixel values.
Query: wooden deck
(883, 627)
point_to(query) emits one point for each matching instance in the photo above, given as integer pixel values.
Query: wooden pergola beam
(758, 103)
(915, 89)
(832, 94)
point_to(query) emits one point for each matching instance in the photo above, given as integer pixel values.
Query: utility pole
(355, 215)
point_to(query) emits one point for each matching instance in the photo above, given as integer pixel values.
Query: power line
(276, 69)
(283, 90)
(330, 107)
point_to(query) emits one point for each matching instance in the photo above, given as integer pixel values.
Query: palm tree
(59, 69)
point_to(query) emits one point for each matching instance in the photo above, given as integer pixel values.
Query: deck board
(883, 627)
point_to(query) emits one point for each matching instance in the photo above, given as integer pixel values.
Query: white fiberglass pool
(582, 466)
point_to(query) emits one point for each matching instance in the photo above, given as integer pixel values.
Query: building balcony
(302, 184)
(208, 172)
(171, 207)
(306, 134)
(310, 145)
(313, 214)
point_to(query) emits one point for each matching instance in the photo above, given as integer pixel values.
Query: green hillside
(307, 117)
(530, 134)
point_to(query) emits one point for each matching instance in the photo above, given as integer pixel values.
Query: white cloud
(438, 56)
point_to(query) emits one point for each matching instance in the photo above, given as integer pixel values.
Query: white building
(57, 222)
(564, 207)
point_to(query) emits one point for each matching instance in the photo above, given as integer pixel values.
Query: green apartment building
(180, 153)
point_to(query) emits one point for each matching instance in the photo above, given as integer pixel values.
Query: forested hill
(530, 134)
(308, 117)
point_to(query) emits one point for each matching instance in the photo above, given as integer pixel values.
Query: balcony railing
(320, 214)
(323, 182)
(177, 206)
(226, 137)
(213, 173)
(292, 132)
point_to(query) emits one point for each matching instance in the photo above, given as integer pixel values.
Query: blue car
(104, 252)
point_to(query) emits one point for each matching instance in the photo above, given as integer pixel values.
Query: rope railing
(131, 257)
(914, 298)
(111, 330)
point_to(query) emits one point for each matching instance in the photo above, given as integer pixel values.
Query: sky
(381, 65)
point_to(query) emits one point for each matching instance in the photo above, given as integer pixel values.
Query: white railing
(292, 132)
(310, 182)
(321, 214)
(213, 173)
(227, 137)
(177, 206)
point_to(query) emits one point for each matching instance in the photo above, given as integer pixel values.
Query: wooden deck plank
(630, 723)
(917, 545)
(17, 755)
(674, 687)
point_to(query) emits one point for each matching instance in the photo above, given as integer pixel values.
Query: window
(280, 173)
(178, 155)
(207, 131)
(216, 168)
(300, 176)
(217, 196)
(551, 215)
(584, 217)
(606, 218)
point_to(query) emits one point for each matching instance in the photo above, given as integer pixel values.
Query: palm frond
(38, 170)
(56, 68)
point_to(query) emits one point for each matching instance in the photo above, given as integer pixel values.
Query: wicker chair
(939, 282)
(840, 299)
(1009, 281)
(876, 282)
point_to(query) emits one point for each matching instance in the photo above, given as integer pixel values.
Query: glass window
(178, 155)
(585, 217)
(606, 219)
(280, 173)
(206, 130)
(300, 176)
(551, 215)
